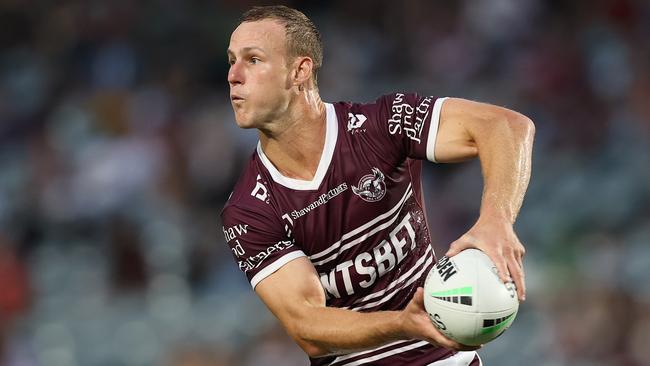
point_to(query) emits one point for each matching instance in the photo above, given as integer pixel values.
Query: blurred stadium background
(118, 148)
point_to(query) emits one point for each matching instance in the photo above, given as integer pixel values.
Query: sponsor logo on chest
(371, 188)
(322, 200)
(365, 268)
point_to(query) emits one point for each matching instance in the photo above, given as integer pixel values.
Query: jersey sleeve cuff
(271, 268)
(433, 129)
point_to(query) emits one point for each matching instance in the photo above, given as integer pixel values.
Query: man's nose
(235, 74)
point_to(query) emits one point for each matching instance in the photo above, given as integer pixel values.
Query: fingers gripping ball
(467, 301)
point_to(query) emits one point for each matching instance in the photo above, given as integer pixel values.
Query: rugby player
(327, 221)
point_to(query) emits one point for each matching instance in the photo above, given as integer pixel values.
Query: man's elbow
(308, 345)
(311, 349)
(521, 125)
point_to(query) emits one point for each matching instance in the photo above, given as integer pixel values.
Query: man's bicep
(296, 282)
(291, 290)
(454, 143)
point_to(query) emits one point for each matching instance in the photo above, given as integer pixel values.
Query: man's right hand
(295, 296)
(417, 324)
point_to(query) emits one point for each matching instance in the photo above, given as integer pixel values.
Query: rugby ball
(467, 301)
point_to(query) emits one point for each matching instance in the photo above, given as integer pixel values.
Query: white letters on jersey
(234, 231)
(402, 117)
(375, 264)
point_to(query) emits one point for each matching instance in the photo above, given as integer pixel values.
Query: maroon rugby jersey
(360, 221)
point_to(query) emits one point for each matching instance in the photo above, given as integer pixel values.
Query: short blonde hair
(303, 39)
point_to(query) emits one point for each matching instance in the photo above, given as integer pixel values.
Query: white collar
(331, 134)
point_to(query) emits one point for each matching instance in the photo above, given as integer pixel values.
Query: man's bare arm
(295, 296)
(503, 140)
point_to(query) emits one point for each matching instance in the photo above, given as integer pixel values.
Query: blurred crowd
(118, 149)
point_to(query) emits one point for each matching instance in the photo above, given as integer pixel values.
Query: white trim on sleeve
(433, 129)
(271, 268)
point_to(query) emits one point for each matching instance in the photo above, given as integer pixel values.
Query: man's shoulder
(356, 116)
(251, 192)
(350, 106)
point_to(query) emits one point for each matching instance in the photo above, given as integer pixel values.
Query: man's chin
(242, 122)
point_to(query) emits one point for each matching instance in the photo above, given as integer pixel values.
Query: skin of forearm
(505, 151)
(326, 330)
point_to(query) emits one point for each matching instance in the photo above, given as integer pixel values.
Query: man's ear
(303, 67)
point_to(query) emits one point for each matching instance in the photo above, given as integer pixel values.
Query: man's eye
(254, 60)
(231, 62)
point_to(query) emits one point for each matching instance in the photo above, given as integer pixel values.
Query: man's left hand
(496, 238)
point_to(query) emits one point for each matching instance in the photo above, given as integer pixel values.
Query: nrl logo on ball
(371, 187)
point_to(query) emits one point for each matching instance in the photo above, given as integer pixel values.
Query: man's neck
(297, 142)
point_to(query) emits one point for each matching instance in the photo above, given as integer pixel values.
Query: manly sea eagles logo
(371, 187)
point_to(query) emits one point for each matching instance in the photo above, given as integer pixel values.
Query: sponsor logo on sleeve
(407, 119)
(234, 231)
(254, 261)
(371, 187)
(237, 249)
(232, 234)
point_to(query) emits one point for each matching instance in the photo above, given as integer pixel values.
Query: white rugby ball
(467, 301)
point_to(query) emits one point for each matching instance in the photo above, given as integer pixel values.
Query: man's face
(259, 79)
